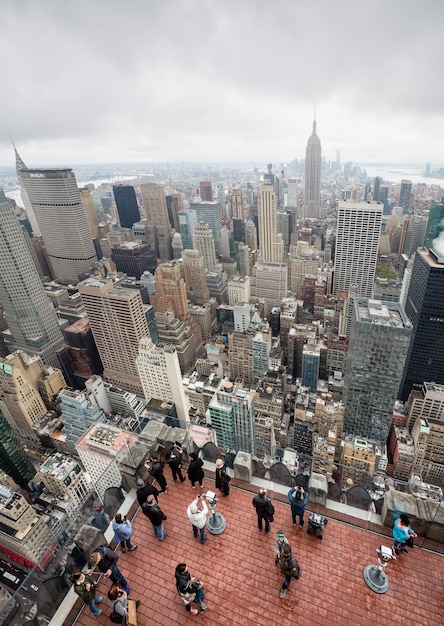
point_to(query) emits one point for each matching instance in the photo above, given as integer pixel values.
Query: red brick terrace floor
(242, 583)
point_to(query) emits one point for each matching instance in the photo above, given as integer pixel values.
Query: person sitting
(402, 533)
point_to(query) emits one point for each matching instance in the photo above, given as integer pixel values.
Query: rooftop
(242, 583)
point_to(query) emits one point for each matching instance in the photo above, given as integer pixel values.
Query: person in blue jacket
(298, 500)
(402, 532)
(123, 531)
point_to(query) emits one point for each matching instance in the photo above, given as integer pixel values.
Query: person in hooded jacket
(85, 587)
(123, 531)
(289, 568)
(195, 471)
(190, 589)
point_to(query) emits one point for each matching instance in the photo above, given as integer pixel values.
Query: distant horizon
(247, 162)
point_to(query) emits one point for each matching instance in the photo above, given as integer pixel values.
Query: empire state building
(312, 199)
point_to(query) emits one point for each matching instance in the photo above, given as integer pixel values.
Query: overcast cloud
(87, 81)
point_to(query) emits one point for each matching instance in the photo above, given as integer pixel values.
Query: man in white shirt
(197, 514)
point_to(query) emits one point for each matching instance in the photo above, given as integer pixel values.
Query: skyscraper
(271, 247)
(187, 223)
(161, 377)
(32, 321)
(232, 417)
(13, 459)
(210, 213)
(158, 222)
(19, 392)
(127, 207)
(357, 240)
(237, 204)
(379, 341)
(424, 307)
(435, 225)
(312, 198)
(376, 189)
(204, 243)
(404, 195)
(206, 190)
(194, 273)
(55, 200)
(118, 322)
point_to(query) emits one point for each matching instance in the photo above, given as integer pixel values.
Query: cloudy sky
(94, 81)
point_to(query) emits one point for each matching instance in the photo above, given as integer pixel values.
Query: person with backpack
(119, 603)
(289, 568)
(174, 460)
(264, 509)
(222, 478)
(155, 468)
(190, 589)
(156, 516)
(85, 587)
(105, 560)
(123, 531)
(298, 499)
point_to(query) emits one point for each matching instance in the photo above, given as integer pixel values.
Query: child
(279, 542)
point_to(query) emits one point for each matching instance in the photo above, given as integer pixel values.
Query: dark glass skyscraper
(13, 459)
(126, 203)
(425, 309)
(435, 224)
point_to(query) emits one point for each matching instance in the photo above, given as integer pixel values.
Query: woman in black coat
(222, 478)
(195, 471)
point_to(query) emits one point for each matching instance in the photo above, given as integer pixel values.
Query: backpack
(116, 618)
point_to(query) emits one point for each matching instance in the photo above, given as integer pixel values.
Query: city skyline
(375, 91)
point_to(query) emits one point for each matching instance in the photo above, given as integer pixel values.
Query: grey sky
(88, 81)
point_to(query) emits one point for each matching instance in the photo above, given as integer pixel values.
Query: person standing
(106, 561)
(222, 478)
(197, 514)
(402, 533)
(264, 509)
(144, 490)
(289, 568)
(298, 499)
(174, 460)
(85, 587)
(119, 602)
(155, 468)
(156, 516)
(195, 471)
(279, 543)
(123, 531)
(190, 589)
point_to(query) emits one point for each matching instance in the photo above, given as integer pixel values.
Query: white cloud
(101, 80)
